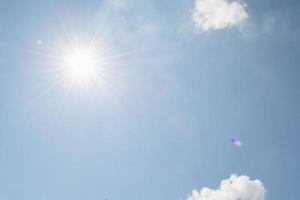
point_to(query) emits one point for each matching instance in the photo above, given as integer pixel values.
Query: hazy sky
(182, 78)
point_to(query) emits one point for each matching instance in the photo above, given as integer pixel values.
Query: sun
(80, 64)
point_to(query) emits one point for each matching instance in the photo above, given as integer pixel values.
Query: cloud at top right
(219, 14)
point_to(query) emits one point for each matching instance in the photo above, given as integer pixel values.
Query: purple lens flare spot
(236, 142)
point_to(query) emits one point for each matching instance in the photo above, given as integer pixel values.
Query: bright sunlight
(80, 65)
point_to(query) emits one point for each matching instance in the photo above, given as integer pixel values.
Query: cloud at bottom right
(234, 188)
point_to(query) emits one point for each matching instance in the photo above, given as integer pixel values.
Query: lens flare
(236, 142)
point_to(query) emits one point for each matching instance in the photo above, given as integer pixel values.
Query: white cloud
(219, 14)
(234, 188)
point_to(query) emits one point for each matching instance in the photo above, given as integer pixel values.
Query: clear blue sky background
(164, 125)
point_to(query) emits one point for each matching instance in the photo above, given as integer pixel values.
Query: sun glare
(80, 65)
(79, 61)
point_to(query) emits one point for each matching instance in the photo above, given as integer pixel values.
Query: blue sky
(175, 94)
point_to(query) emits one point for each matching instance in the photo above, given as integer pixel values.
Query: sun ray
(84, 62)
